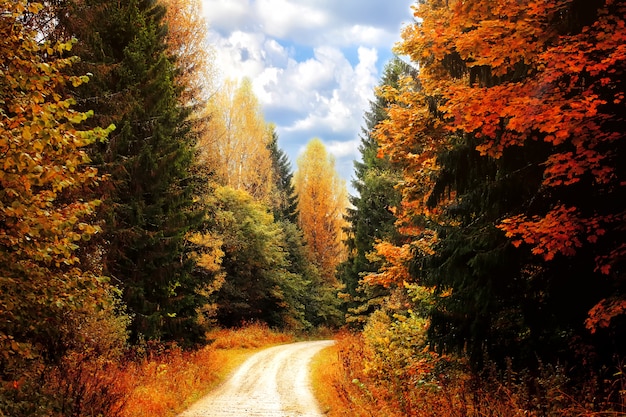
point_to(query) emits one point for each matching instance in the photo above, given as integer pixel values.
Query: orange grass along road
(272, 383)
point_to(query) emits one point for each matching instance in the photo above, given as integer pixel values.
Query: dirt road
(272, 383)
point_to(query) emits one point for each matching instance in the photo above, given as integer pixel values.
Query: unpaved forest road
(272, 383)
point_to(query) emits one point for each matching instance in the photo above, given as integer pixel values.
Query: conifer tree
(147, 208)
(371, 216)
(315, 303)
(322, 201)
(285, 200)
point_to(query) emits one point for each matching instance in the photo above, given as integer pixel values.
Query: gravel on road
(272, 383)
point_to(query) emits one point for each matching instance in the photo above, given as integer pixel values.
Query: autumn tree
(256, 284)
(322, 201)
(256, 267)
(46, 297)
(317, 302)
(236, 142)
(524, 183)
(187, 41)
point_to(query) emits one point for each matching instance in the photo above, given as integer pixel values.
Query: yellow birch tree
(236, 142)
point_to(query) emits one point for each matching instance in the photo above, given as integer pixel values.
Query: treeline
(487, 239)
(140, 201)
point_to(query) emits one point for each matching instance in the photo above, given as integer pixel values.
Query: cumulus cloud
(313, 63)
(336, 105)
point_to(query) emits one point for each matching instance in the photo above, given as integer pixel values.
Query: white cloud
(313, 63)
(240, 55)
(339, 110)
(344, 149)
(282, 18)
(227, 15)
(312, 22)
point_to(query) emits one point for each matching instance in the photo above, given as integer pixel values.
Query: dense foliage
(322, 201)
(118, 228)
(370, 218)
(509, 140)
(141, 203)
(48, 300)
(148, 206)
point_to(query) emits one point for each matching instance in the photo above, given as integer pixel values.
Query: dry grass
(247, 337)
(324, 368)
(338, 394)
(346, 386)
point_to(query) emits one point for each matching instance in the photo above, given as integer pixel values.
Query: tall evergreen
(371, 217)
(285, 201)
(148, 196)
(491, 289)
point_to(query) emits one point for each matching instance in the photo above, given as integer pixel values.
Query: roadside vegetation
(164, 380)
(350, 379)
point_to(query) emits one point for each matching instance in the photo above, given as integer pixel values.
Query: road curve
(272, 383)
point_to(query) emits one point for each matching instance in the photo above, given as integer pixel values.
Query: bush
(389, 370)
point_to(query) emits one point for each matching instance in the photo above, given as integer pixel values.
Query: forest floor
(273, 383)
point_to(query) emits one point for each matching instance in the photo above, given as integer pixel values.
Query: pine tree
(147, 208)
(371, 216)
(285, 200)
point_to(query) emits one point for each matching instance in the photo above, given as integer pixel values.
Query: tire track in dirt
(271, 383)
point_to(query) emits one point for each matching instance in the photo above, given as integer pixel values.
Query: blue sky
(313, 63)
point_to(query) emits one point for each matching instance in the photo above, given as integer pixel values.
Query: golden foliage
(236, 141)
(322, 203)
(42, 168)
(187, 40)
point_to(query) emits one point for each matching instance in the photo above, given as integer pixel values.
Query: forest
(147, 210)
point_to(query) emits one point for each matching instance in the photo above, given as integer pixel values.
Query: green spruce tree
(285, 200)
(371, 217)
(147, 208)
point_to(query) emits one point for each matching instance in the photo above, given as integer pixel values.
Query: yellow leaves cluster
(395, 270)
(187, 40)
(209, 254)
(40, 149)
(322, 203)
(398, 350)
(235, 144)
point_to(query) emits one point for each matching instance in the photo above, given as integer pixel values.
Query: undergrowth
(247, 337)
(363, 379)
(153, 379)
